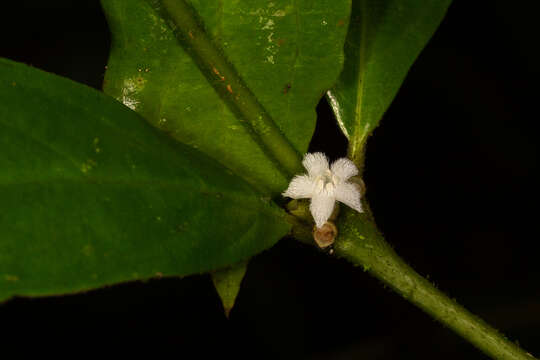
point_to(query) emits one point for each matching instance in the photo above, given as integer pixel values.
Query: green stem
(362, 244)
(224, 78)
(300, 230)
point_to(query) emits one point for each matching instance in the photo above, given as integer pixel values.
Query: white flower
(324, 185)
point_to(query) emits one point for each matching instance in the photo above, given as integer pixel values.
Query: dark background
(451, 176)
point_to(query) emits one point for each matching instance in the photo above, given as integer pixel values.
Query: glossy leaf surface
(288, 54)
(383, 40)
(92, 195)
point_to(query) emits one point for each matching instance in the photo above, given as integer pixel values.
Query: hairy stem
(226, 81)
(362, 244)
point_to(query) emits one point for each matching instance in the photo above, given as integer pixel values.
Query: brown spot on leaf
(287, 88)
(216, 71)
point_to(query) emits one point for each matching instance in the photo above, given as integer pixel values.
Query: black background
(451, 176)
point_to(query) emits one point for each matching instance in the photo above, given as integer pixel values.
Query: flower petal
(315, 163)
(344, 169)
(349, 194)
(301, 187)
(321, 208)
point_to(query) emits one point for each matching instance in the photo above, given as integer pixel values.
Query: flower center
(326, 182)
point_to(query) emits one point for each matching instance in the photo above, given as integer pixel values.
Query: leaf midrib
(203, 51)
(235, 198)
(356, 143)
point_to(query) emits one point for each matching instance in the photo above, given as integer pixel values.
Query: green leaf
(287, 53)
(92, 195)
(384, 39)
(227, 283)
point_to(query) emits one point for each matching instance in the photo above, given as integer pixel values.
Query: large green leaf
(93, 195)
(288, 53)
(384, 39)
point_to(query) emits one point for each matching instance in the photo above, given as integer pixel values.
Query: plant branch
(301, 230)
(224, 78)
(362, 244)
